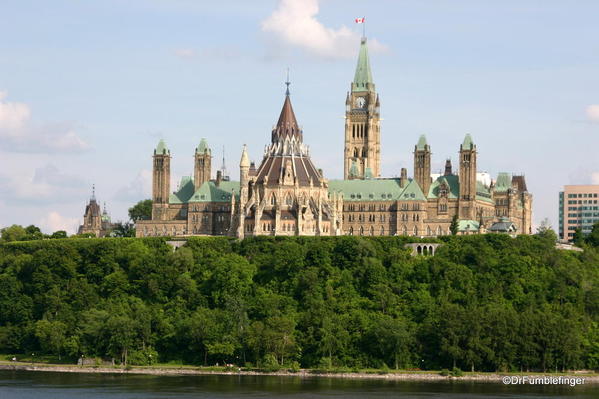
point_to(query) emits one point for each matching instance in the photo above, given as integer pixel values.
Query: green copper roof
(451, 181)
(353, 170)
(376, 190)
(483, 193)
(468, 143)
(184, 191)
(503, 182)
(209, 192)
(161, 148)
(363, 74)
(468, 225)
(203, 146)
(421, 143)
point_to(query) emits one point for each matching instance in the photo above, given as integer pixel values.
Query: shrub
(444, 372)
(457, 372)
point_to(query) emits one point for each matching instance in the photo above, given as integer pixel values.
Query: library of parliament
(287, 194)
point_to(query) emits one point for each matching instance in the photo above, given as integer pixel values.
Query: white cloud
(47, 184)
(138, 189)
(54, 221)
(295, 23)
(19, 133)
(593, 112)
(12, 116)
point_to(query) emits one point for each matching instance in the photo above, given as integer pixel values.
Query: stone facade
(288, 195)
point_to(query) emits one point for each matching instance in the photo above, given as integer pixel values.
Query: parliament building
(287, 194)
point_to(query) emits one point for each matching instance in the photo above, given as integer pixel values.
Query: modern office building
(578, 208)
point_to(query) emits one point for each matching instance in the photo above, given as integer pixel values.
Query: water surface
(50, 385)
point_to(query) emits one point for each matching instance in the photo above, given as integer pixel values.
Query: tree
(121, 229)
(13, 233)
(453, 227)
(593, 237)
(141, 211)
(59, 234)
(578, 237)
(52, 335)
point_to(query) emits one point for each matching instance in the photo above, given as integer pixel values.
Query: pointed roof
(203, 147)
(363, 74)
(287, 123)
(245, 159)
(468, 143)
(161, 148)
(422, 144)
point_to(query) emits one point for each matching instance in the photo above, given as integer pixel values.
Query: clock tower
(362, 153)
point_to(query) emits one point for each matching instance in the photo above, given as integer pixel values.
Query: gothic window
(364, 153)
(288, 200)
(382, 231)
(351, 231)
(439, 231)
(429, 232)
(404, 230)
(371, 230)
(272, 199)
(355, 153)
(415, 230)
(361, 230)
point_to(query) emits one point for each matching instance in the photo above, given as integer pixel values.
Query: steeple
(161, 148)
(467, 144)
(363, 77)
(245, 159)
(287, 124)
(422, 164)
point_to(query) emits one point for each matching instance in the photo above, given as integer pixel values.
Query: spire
(363, 77)
(203, 147)
(93, 198)
(422, 144)
(287, 82)
(223, 168)
(245, 159)
(161, 148)
(287, 124)
(467, 144)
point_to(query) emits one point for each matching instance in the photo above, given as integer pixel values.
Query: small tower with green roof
(202, 164)
(161, 181)
(362, 122)
(422, 164)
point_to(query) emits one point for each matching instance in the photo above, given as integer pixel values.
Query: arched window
(415, 230)
(371, 230)
(361, 230)
(364, 153)
(273, 200)
(382, 231)
(356, 152)
(288, 200)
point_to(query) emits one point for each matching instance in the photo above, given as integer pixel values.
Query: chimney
(403, 180)
(219, 177)
(448, 167)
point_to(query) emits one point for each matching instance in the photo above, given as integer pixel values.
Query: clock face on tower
(360, 102)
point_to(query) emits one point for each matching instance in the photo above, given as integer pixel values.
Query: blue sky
(88, 88)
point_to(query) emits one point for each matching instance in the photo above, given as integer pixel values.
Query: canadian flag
(360, 20)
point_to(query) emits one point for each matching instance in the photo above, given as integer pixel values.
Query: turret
(422, 164)
(467, 178)
(202, 164)
(244, 171)
(161, 178)
(448, 167)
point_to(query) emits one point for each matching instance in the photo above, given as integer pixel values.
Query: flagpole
(364, 28)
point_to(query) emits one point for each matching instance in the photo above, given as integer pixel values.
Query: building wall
(578, 208)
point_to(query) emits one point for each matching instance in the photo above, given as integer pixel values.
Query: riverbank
(188, 370)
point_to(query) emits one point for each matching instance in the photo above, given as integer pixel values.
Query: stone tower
(202, 164)
(244, 176)
(422, 164)
(467, 179)
(161, 177)
(362, 153)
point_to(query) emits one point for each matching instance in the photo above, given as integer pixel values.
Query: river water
(49, 385)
